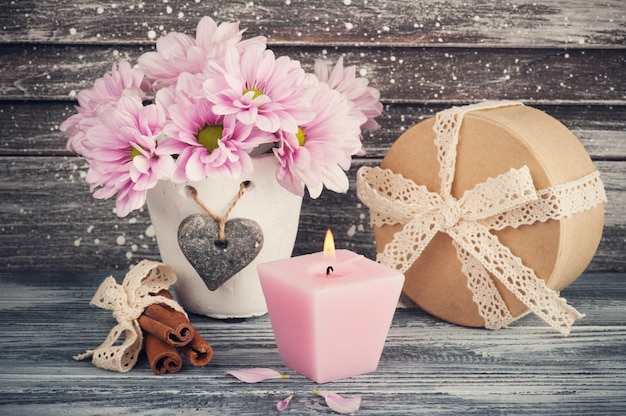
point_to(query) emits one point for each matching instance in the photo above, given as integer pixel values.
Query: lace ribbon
(127, 300)
(509, 199)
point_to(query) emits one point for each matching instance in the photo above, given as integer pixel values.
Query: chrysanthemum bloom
(220, 100)
(206, 144)
(366, 99)
(126, 159)
(319, 153)
(259, 89)
(177, 52)
(123, 80)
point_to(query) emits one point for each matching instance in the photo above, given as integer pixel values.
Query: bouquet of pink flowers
(215, 102)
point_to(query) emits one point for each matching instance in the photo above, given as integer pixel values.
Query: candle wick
(329, 270)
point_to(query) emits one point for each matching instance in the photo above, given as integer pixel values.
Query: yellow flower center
(301, 136)
(209, 137)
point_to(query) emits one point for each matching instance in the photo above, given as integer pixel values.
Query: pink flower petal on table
(339, 403)
(254, 375)
(282, 405)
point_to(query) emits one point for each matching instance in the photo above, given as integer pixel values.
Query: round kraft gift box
(491, 142)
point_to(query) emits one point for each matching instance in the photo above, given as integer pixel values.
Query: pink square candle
(330, 326)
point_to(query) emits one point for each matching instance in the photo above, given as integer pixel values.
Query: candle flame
(329, 247)
(329, 241)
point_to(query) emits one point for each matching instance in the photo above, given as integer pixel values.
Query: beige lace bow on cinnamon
(509, 199)
(128, 301)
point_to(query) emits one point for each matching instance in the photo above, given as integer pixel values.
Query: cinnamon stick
(198, 351)
(166, 324)
(161, 356)
(163, 292)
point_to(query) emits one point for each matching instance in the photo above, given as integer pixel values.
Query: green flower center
(256, 92)
(210, 136)
(134, 152)
(301, 136)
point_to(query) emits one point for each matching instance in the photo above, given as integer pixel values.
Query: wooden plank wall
(565, 57)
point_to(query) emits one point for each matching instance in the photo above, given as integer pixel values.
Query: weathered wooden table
(427, 367)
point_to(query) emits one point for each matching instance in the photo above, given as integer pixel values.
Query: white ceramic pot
(267, 208)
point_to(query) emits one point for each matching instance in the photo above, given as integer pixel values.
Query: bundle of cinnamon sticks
(166, 332)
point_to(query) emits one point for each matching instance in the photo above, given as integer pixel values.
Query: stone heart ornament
(217, 259)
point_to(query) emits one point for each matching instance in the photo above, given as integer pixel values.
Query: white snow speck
(150, 231)
(121, 240)
(72, 30)
(152, 34)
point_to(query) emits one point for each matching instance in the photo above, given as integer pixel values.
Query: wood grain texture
(403, 74)
(565, 57)
(427, 366)
(53, 211)
(600, 128)
(424, 57)
(562, 23)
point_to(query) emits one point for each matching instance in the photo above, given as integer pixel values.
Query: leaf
(339, 403)
(254, 375)
(282, 405)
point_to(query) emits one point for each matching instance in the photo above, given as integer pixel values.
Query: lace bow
(128, 301)
(509, 199)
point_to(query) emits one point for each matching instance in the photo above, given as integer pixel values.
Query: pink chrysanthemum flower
(259, 89)
(126, 159)
(206, 144)
(366, 99)
(123, 80)
(319, 153)
(177, 52)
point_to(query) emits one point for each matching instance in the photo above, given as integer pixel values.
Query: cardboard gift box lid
(492, 141)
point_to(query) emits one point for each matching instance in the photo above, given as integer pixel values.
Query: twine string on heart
(203, 240)
(220, 219)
